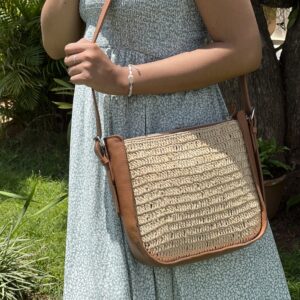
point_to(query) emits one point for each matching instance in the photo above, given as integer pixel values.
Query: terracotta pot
(274, 190)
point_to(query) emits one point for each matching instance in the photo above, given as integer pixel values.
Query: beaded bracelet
(130, 79)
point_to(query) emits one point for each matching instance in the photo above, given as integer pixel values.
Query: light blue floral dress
(98, 262)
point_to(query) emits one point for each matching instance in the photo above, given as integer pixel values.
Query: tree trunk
(291, 74)
(265, 87)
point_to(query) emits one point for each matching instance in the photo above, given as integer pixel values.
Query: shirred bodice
(153, 28)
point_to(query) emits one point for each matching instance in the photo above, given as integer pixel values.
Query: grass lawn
(291, 264)
(44, 159)
(286, 230)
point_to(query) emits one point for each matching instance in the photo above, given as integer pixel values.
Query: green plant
(63, 88)
(67, 89)
(18, 275)
(294, 14)
(271, 166)
(27, 200)
(291, 264)
(26, 71)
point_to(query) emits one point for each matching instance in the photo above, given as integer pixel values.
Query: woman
(175, 76)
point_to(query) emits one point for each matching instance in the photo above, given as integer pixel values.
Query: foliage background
(39, 154)
(26, 71)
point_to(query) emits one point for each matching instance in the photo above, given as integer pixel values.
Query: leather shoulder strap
(99, 25)
(101, 18)
(242, 79)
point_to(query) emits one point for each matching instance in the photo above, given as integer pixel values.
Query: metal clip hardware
(102, 144)
(252, 114)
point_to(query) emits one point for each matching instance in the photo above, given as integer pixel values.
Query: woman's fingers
(74, 48)
(74, 70)
(72, 60)
(79, 57)
(80, 51)
(81, 78)
(73, 51)
(89, 65)
(78, 47)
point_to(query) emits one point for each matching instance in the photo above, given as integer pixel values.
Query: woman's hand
(90, 66)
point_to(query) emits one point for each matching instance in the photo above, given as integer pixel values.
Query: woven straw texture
(193, 190)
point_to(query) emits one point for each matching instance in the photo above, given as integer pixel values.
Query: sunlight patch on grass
(21, 167)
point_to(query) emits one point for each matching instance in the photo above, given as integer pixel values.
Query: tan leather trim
(253, 128)
(106, 163)
(254, 161)
(121, 173)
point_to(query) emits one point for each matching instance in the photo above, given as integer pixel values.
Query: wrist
(122, 81)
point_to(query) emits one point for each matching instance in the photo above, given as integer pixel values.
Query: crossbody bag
(189, 194)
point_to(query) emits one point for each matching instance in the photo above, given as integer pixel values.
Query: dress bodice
(159, 28)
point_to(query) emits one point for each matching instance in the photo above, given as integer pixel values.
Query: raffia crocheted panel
(194, 190)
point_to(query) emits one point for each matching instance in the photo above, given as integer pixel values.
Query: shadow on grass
(44, 154)
(291, 265)
(285, 228)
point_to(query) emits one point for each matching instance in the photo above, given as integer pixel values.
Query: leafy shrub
(26, 73)
(271, 166)
(18, 276)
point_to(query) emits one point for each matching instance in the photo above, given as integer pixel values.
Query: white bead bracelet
(130, 79)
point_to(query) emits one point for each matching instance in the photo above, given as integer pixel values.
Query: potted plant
(274, 172)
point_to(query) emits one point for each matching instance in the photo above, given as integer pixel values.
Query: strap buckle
(102, 144)
(252, 113)
(251, 117)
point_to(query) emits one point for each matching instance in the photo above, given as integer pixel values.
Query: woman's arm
(61, 25)
(236, 50)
